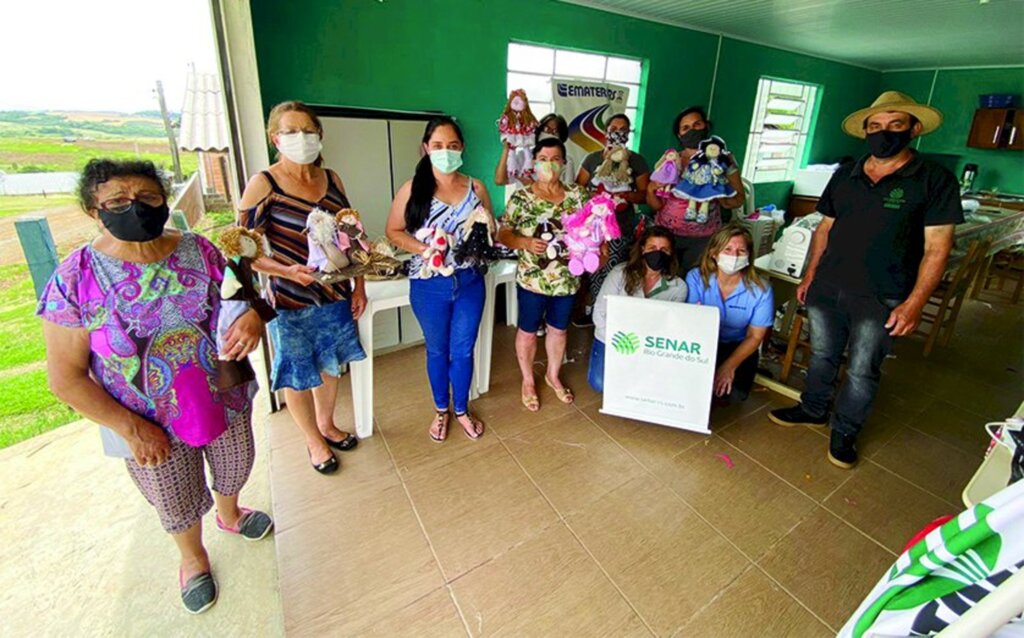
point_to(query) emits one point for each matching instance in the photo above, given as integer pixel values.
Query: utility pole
(170, 132)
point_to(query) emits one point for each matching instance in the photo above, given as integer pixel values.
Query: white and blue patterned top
(450, 219)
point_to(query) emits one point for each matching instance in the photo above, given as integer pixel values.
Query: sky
(101, 55)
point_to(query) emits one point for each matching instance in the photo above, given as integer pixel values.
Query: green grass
(11, 205)
(28, 408)
(214, 222)
(53, 154)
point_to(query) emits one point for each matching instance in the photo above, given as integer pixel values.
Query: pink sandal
(252, 525)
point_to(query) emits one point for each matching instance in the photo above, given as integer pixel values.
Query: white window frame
(774, 150)
(541, 108)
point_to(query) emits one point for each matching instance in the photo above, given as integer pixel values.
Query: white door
(358, 149)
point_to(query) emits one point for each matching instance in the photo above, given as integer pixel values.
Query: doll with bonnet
(240, 291)
(517, 126)
(705, 179)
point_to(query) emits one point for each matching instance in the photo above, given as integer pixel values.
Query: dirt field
(69, 225)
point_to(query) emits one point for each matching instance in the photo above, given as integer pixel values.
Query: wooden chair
(1006, 265)
(798, 349)
(940, 313)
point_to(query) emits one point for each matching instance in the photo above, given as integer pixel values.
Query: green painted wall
(450, 55)
(956, 95)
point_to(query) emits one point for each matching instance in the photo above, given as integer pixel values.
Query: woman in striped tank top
(315, 331)
(448, 307)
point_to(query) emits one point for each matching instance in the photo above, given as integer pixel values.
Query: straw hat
(929, 117)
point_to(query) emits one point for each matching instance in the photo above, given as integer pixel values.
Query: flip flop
(476, 435)
(564, 394)
(442, 432)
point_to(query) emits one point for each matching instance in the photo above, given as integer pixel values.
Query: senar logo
(626, 342)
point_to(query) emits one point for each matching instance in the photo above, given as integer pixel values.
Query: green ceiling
(879, 34)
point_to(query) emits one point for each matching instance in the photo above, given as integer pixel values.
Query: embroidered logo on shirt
(626, 342)
(895, 199)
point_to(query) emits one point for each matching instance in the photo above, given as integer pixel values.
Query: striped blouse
(282, 219)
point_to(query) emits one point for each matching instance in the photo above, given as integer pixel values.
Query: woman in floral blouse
(532, 225)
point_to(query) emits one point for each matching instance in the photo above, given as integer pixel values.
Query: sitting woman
(728, 281)
(652, 272)
(130, 322)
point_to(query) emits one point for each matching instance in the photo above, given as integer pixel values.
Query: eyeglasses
(120, 205)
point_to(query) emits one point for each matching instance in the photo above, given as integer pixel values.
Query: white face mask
(301, 148)
(732, 264)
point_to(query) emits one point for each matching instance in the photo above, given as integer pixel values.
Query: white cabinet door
(406, 142)
(359, 150)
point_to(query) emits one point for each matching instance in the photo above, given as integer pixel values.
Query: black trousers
(743, 381)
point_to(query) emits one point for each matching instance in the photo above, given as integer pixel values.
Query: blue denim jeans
(595, 373)
(449, 311)
(839, 319)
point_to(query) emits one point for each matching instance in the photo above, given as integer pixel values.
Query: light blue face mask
(446, 161)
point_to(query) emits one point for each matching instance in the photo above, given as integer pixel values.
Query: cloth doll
(351, 233)
(434, 258)
(585, 231)
(549, 231)
(517, 126)
(704, 179)
(239, 291)
(477, 247)
(326, 253)
(614, 173)
(666, 171)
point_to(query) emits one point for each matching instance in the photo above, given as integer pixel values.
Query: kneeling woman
(726, 280)
(652, 272)
(448, 307)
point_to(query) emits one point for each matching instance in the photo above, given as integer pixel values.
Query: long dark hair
(423, 183)
(699, 110)
(636, 267)
(563, 126)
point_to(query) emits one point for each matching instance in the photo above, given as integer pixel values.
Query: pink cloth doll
(666, 171)
(517, 126)
(585, 231)
(435, 258)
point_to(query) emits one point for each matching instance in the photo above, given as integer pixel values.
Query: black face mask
(693, 137)
(657, 260)
(888, 143)
(141, 222)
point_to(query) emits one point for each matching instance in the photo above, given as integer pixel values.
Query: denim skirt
(311, 340)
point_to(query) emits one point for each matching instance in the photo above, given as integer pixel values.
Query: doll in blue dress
(704, 179)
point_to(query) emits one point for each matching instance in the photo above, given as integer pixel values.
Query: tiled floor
(570, 522)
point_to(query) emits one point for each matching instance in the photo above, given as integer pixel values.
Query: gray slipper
(199, 593)
(252, 526)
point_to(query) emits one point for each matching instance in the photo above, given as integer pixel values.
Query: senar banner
(660, 362)
(587, 106)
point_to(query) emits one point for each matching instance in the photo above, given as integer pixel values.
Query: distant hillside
(81, 124)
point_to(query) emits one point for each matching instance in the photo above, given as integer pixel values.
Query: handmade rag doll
(477, 247)
(351, 234)
(704, 179)
(585, 231)
(614, 173)
(382, 262)
(517, 126)
(239, 291)
(434, 257)
(554, 236)
(666, 171)
(326, 253)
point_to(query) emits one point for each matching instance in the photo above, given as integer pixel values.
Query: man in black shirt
(878, 254)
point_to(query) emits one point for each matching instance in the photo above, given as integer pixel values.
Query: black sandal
(442, 431)
(330, 466)
(476, 434)
(346, 444)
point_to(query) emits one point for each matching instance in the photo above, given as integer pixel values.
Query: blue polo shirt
(744, 307)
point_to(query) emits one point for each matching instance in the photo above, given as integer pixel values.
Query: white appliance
(790, 254)
(811, 181)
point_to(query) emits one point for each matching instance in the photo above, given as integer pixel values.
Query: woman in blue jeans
(448, 307)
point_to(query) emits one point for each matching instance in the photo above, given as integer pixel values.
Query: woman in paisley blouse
(544, 285)
(130, 323)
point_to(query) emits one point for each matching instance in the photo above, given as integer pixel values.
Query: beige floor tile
(503, 410)
(885, 507)
(829, 566)
(754, 606)
(653, 445)
(960, 428)
(573, 461)
(406, 431)
(666, 560)
(302, 494)
(749, 505)
(477, 508)
(548, 586)
(433, 616)
(797, 454)
(900, 398)
(929, 463)
(723, 417)
(354, 565)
